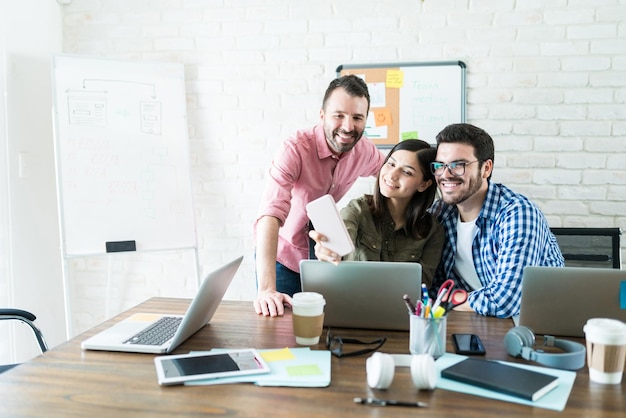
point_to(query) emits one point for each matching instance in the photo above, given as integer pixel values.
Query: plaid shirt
(512, 234)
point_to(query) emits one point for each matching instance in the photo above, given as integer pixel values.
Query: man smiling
(492, 232)
(326, 159)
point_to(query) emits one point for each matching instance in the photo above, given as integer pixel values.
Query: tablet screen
(180, 368)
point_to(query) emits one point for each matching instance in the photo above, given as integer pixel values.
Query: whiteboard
(122, 156)
(411, 100)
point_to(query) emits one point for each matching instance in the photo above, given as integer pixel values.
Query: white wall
(29, 241)
(546, 78)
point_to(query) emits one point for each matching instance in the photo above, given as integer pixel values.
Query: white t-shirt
(464, 263)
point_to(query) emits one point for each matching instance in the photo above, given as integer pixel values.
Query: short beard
(340, 148)
(475, 183)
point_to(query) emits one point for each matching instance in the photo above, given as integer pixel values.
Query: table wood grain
(69, 382)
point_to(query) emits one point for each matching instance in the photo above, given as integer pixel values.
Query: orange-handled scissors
(449, 296)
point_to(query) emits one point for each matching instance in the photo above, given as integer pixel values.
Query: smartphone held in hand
(327, 221)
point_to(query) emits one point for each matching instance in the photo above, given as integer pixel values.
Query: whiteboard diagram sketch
(430, 100)
(122, 155)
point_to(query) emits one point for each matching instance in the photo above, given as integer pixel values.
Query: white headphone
(380, 368)
(519, 342)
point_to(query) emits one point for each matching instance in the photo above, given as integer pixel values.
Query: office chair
(590, 247)
(27, 318)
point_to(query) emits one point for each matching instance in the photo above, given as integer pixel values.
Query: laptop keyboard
(157, 333)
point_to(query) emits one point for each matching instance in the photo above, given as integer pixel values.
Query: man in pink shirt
(326, 159)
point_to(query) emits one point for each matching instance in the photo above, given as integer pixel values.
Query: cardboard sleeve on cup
(606, 349)
(307, 326)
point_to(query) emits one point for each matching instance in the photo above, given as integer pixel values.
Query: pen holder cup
(427, 335)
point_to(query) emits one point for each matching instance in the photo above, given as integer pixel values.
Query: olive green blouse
(379, 241)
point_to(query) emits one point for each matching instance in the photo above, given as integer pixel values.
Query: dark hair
(416, 222)
(353, 85)
(464, 133)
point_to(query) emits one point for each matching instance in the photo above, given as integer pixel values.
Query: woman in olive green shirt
(393, 224)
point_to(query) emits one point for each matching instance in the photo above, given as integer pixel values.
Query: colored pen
(384, 402)
(424, 295)
(409, 304)
(440, 297)
(439, 312)
(419, 308)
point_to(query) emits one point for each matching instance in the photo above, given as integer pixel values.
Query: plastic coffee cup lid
(308, 299)
(605, 331)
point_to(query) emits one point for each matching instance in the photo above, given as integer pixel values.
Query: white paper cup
(606, 349)
(308, 317)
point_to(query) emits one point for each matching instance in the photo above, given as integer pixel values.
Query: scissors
(449, 297)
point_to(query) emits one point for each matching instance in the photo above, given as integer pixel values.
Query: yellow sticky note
(277, 355)
(304, 370)
(382, 117)
(395, 79)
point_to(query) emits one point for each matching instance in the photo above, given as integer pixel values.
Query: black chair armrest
(27, 318)
(17, 312)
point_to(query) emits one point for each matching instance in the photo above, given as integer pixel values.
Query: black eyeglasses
(456, 168)
(335, 345)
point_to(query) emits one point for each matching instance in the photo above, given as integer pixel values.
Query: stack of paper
(297, 367)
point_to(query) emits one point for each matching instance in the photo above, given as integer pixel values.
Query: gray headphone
(519, 342)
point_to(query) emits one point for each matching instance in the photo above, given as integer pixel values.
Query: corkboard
(411, 100)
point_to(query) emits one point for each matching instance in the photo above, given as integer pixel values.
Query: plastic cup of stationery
(606, 349)
(308, 317)
(427, 335)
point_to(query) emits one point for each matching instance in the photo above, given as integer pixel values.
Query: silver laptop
(363, 294)
(137, 333)
(559, 300)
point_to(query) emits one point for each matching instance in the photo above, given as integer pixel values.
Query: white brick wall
(546, 79)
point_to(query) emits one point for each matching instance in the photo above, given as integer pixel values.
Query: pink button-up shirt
(303, 170)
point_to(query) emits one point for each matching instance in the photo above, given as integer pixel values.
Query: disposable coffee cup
(606, 349)
(308, 317)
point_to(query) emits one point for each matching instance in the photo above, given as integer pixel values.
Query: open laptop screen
(560, 300)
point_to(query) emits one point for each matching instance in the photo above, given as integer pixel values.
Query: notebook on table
(162, 333)
(560, 300)
(502, 377)
(363, 294)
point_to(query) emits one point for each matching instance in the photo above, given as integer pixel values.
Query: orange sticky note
(382, 117)
(395, 79)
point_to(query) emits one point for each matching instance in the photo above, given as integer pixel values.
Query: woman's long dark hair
(417, 224)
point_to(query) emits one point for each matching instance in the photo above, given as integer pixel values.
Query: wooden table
(69, 382)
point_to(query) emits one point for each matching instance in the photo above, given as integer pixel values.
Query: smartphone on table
(468, 344)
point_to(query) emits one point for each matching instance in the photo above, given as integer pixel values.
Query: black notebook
(502, 378)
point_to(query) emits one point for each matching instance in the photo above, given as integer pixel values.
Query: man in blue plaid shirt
(492, 232)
